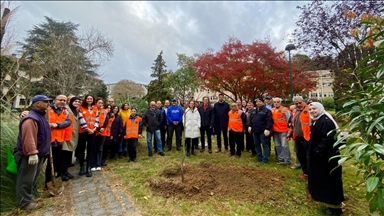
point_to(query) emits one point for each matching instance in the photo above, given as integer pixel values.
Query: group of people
(92, 130)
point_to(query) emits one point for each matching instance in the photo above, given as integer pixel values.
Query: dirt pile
(220, 181)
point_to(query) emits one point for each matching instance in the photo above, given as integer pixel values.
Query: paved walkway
(100, 194)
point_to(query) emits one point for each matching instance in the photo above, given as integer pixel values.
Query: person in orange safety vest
(236, 130)
(300, 132)
(133, 130)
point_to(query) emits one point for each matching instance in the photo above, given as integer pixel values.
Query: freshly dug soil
(220, 181)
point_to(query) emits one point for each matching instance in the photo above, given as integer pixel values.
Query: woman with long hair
(107, 134)
(124, 113)
(97, 150)
(192, 123)
(88, 119)
(116, 131)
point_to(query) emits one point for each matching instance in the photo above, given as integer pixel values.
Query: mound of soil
(220, 181)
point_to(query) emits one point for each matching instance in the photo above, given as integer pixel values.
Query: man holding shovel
(33, 144)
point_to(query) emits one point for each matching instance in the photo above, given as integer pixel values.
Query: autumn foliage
(250, 70)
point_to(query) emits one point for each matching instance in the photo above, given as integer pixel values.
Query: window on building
(330, 94)
(313, 94)
(215, 98)
(325, 95)
(22, 102)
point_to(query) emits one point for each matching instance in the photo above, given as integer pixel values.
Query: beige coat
(72, 144)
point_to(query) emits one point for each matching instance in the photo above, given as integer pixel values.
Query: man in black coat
(207, 121)
(261, 125)
(221, 109)
(151, 120)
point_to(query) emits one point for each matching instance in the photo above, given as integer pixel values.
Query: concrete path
(101, 194)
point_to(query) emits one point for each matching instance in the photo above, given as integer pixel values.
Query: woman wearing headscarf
(324, 185)
(70, 144)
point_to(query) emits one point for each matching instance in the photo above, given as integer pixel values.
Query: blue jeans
(258, 139)
(122, 146)
(158, 141)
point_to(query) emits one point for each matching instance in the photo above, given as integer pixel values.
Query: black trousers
(249, 142)
(86, 141)
(302, 148)
(225, 136)
(66, 160)
(132, 145)
(113, 148)
(208, 131)
(236, 138)
(188, 144)
(57, 163)
(106, 148)
(177, 129)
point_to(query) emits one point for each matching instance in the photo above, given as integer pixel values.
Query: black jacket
(152, 120)
(221, 115)
(261, 119)
(207, 116)
(117, 128)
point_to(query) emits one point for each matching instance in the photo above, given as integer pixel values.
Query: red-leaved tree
(248, 71)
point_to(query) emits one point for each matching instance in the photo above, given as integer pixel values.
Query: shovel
(55, 187)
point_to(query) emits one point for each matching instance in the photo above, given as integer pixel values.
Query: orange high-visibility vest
(132, 129)
(89, 118)
(102, 115)
(107, 130)
(68, 130)
(279, 117)
(305, 123)
(235, 123)
(57, 134)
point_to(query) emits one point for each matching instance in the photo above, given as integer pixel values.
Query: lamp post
(288, 48)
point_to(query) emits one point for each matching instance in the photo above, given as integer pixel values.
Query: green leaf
(379, 148)
(342, 160)
(380, 199)
(380, 119)
(372, 183)
(349, 103)
(373, 204)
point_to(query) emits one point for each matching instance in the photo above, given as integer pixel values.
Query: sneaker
(218, 151)
(303, 176)
(98, 168)
(296, 167)
(161, 153)
(93, 169)
(31, 206)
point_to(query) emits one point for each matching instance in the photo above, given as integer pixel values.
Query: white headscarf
(321, 111)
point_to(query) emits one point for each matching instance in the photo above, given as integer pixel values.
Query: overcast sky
(140, 30)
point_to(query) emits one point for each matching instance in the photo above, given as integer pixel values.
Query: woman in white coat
(192, 127)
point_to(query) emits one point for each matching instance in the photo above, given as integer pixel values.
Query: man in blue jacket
(174, 118)
(261, 125)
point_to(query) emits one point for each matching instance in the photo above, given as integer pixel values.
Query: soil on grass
(219, 181)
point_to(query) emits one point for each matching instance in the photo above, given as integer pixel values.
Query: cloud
(140, 30)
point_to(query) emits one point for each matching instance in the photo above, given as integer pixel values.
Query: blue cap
(268, 97)
(174, 99)
(40, 98)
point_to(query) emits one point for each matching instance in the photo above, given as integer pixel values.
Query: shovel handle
(51, 162)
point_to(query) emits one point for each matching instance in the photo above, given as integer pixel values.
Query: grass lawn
(288, 198)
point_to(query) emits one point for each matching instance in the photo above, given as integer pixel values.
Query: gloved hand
(267, 133)
(249, 129)
(33, 159)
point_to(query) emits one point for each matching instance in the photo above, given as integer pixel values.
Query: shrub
(329, 103)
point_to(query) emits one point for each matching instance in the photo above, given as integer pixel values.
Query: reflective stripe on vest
(279, 117)
(235, 123)
(57, 134)
(88, 117)
(132, 129)
(68, 130)
(107, 130)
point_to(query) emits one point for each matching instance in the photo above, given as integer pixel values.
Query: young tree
(157, 88)
(125, 89)
(184, 81)
(249, 70)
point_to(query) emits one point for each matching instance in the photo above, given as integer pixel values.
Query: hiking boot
(210, 151)
(303, 176)
(202, 150)
(31, 206)
(69, 175)
(150, 154)
(161, 153)
(88, 173)
(218, 151)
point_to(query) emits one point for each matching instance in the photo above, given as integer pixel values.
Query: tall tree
(99, 89)
(65, 58)
(249, 70)
(334, 30)
(126, 89)
(183, 82)
(157, 88)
